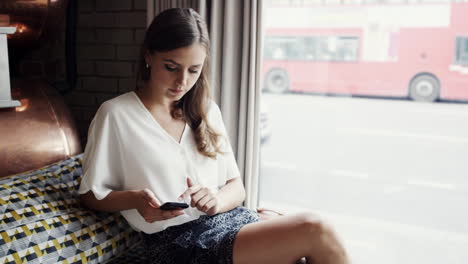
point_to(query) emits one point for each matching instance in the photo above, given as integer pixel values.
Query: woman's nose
(182, 78)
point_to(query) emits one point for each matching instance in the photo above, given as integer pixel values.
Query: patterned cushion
(41, 220)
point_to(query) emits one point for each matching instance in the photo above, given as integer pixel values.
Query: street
(390, 175)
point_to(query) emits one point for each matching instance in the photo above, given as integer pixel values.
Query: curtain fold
(249, 138)
(154, 7)
(235, 31)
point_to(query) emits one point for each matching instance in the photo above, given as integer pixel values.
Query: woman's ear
(148, 58)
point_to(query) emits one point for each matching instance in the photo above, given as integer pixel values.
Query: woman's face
(174, 73)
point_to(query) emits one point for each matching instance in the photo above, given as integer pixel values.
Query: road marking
(279, 165)
(460, 112)
(392, 189)
(348, 173)
(388, 133)
(436, 185)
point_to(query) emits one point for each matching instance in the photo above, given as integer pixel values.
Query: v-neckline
(179, 142)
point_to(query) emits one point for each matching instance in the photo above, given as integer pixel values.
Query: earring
(147, 65)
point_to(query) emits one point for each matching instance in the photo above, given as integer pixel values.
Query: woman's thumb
(151, 198)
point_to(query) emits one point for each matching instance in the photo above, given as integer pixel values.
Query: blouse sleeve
(101, 157)
(227, 165)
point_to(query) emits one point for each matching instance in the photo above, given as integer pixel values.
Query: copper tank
(40, 131)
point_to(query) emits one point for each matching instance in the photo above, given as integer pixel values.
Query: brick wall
(109, 36)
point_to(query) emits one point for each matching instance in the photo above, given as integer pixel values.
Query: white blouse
(127, 149)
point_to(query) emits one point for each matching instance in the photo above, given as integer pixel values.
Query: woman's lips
(176, 90)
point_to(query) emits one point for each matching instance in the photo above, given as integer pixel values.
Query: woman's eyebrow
(178, 64)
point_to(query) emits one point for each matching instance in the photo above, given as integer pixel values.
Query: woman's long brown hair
(172, 29)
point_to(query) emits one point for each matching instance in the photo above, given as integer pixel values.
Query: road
(391, 175)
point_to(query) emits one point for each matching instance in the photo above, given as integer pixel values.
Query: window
(283, 48)
(359, 124)
(461, 51)
(318, 48)
(337, 48)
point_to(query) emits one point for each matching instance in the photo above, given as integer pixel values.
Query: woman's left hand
(203, 198)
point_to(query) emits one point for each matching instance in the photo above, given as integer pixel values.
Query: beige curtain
(235, 64)
(154, 7)
(235, 36)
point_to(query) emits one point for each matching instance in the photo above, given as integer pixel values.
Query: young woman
(166, 142)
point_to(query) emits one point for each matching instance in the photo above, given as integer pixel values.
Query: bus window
(310, 48)
(347, 49)
(325, 48)
(333, 48)
(284, 48)
(461, 51)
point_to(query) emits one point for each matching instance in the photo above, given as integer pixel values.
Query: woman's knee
(315, 230)
(321, 238)
(311, 224)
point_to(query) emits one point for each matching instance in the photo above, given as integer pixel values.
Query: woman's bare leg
(286, 239)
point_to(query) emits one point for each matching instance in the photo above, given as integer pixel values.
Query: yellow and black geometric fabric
(41, 220)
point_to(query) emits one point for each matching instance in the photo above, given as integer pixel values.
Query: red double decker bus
(396, 49)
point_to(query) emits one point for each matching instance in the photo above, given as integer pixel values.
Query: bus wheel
(425, 88)
(277, 81)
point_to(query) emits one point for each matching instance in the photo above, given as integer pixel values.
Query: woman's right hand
(148, 207)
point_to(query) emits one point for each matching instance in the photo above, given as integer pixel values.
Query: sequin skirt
(209, 239)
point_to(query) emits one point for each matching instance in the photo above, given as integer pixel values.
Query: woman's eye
(169, 68)
(193, 71)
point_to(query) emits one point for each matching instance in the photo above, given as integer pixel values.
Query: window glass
(461, 51)
(283, 48)
(325, 48)
(364, 121)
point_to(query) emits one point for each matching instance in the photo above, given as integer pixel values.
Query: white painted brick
(78, 98)
(132, 19)
(85, 67)
(89, 113)
(99, 84)
(140, 35)
(128, 52)
(135, 19)
(105, 20)
(115, 36)
(84, 113)
(126, 85)
(139, 4)
(106, 5)
(85, 6)
(85, 36)
(96, 52)
(101, 98)
(86, 20)
(117, 69)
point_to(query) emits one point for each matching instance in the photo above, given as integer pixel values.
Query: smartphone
(173, 206)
